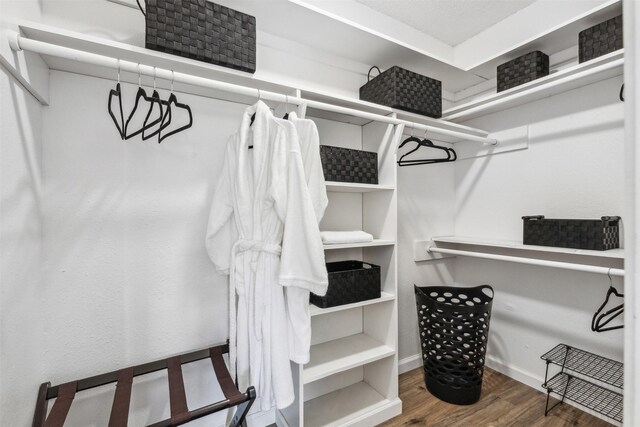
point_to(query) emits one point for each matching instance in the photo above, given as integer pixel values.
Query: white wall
(573, 168)
(126, 275)
(21, 228)
(21, 298)
(426, 207)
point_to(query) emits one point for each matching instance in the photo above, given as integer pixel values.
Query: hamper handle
(371, 69)
(493, 294)
(141, 9)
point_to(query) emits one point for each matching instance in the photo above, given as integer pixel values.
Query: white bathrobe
(263, 233)
(298, 298)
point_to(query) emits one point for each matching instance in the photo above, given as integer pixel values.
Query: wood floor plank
(504, 403)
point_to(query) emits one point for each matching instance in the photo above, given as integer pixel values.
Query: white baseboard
(515, 373)
(409, 363)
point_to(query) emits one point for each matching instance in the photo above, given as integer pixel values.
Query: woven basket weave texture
(349, 282)
(202, 30)
(347, 165)
(594, 234)
(405, 90)
(606, 37)
(523, 69)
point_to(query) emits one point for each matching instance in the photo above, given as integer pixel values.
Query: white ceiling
(451, 21)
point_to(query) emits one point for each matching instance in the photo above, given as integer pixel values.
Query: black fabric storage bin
(349, 282)
(202, 30)
(606, 37)
(347, 165)
(405, 90)
(595, 234)
(523, 69)
(454, 328)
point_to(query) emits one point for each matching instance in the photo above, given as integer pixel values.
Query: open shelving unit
(352, 376)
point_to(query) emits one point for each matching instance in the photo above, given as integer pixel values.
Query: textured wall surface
(21, 298)
(573, 168)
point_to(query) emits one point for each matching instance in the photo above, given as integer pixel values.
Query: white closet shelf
(339, 355)
(599, 262)
(376, 242)
(465, 242)
(384, 297)
(598, 69)
(352, 187)
(348, 406)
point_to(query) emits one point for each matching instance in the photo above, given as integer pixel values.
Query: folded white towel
(337, 237)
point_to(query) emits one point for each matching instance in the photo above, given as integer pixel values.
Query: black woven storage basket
(454, 329)
(523, 69)
(349, 282)
(347, 165)
(606, 37)
(202, 30)
(595, 234)
(404, 90)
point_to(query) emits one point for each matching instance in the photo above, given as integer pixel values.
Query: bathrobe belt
(244, 245)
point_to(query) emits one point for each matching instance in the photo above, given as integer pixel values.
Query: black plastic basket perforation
(454, 330)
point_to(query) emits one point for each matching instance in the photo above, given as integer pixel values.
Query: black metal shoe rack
(573, 382)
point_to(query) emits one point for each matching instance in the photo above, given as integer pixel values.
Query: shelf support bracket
(28, 68)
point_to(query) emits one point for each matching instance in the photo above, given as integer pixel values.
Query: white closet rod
(531, 261)
(18, 42)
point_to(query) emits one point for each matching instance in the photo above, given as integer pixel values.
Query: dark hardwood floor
(504, 402)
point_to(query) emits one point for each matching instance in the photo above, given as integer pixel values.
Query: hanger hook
(259, 95)
(610, 279)
(118, 70)
(139, 76)
(286, 100)
(173, 76)
(426, 131)
(154, 78)
(412, 128)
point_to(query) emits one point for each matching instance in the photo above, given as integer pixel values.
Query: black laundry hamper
(454, 328)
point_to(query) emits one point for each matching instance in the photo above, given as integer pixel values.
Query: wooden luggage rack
(180, 413)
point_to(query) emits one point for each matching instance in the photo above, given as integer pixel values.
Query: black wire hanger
(141, 94)
(117, 92)
(173, 101)
(451, 154)
(146, 125)
(601, 320)
(286, 107)
(253, 116)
